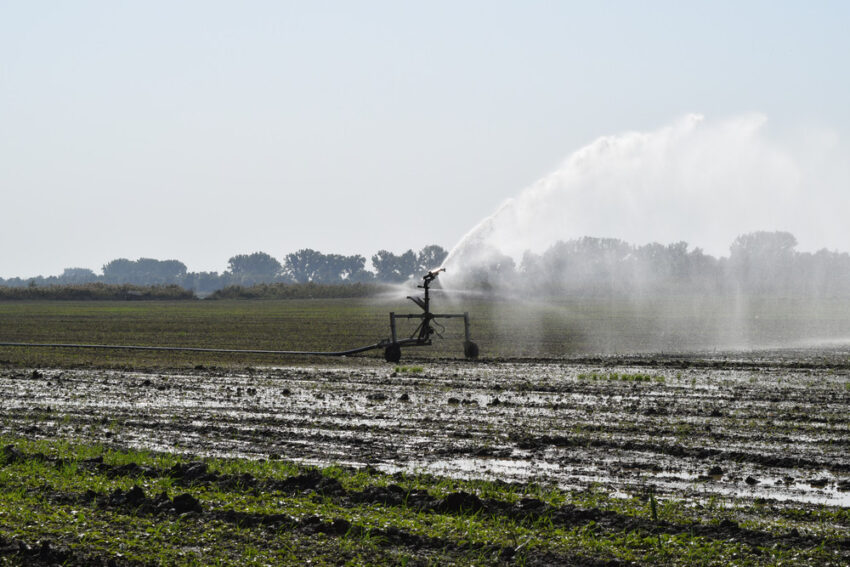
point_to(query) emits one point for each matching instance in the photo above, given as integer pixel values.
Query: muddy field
(714, 458)
(751, 430)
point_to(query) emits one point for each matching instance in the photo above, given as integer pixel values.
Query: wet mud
(760, 430)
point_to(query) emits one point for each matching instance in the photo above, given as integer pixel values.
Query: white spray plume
(699, 181)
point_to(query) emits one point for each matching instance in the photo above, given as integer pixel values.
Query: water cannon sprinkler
(430, 276)
(422, 335)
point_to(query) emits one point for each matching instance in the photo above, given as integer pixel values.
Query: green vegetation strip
(88, 504)
(95, 291)
(563, 327)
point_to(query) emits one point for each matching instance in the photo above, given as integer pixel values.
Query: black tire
(392, 353)
(470, 350)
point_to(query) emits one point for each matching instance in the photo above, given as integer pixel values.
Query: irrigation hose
(197, 349)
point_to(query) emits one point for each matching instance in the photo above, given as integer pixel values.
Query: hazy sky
(200, 130)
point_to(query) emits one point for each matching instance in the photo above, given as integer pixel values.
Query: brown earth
(760, 429)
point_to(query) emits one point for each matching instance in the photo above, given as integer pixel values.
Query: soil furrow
(194, 474)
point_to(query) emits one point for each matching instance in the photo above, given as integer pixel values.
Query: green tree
(308, 265)
(77, 276)
(118, 271)
(250, 269)
(304, 265)
(393, 268)
(144, 271)
(763, 261)
(430, 258)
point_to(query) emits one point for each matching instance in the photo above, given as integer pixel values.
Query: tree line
(764, 263)
(306, 266)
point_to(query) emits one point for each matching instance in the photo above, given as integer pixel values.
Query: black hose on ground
(197, 349)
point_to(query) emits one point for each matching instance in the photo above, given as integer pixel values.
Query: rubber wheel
(392, 353)
(470, 350)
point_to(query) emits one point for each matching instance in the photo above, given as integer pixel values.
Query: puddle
(514, 422)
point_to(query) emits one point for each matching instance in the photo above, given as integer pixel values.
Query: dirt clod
(458, 501)
(186, 503)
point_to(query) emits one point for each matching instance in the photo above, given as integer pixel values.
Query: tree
(304, 265)
(589, 264)
(395, 269)
(159, 272)
(499, 270)
(204, 283)
(77, 276)
(762, 244)
(430, 258)
(144, 271)
(118, 271)
(763, 261)
(356, 271)
(249, 269)
(347, 269)
(308, 265)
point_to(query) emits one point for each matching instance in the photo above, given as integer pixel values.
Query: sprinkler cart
(422, 335)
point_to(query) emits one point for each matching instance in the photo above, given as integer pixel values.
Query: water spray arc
(697, 180)
(392, 346)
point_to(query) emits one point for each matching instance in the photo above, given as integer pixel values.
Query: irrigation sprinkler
(392, 346)
(422, 335)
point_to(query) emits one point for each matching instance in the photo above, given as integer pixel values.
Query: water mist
(696, 181)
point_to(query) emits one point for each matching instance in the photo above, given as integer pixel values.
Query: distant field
(253, 324)
(501, 328)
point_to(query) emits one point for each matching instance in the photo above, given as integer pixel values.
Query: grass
(408, 369)
(53, 495)
(95, 291)
(268, 325)
(570, 326)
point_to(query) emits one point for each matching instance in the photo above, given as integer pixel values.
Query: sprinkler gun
(422, 335)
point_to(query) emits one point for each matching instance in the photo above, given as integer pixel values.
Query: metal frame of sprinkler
(422, 335)
(392, 346)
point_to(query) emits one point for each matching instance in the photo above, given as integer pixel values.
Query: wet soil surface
(760, 429)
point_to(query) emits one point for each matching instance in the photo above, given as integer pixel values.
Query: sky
(201, 130)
